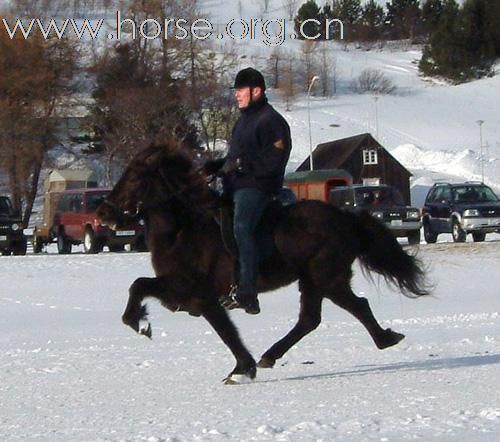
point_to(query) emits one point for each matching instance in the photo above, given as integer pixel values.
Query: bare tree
(274, 66)
(308, 65)
(373, 80)
(35, 75)
(264, 6)
(288, 81)
(290, 7)
(327, 70)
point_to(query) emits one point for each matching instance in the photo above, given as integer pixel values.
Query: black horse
(314, 243)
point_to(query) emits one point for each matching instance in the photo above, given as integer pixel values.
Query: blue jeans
(249, 205)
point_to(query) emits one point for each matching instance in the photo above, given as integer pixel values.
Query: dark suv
(76, 222)
(382, 202)
(12, 239)
(460, 209)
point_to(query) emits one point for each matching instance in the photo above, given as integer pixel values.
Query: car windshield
(387, 196)
(4, 206)
(473, 194)
(95, 199)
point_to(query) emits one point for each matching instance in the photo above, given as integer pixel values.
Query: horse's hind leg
(218, 318)
(309, 319)
(135, 311)
(359, 307)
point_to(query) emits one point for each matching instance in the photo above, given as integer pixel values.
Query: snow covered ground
(69, 370)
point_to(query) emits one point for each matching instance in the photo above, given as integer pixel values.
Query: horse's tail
(382, 253)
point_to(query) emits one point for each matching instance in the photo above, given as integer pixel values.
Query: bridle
(174, 192)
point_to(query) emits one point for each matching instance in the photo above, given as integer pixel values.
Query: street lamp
(480, 123)
(315, 78)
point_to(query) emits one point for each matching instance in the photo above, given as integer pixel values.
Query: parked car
(382, 202)
(460, 209)
(12, 239)
(75, 222)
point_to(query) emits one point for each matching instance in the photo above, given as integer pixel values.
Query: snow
(431, 127)
(71, 371)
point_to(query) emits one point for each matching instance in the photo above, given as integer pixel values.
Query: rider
(254, 169)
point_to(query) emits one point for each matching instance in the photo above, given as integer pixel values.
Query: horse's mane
(176, 167)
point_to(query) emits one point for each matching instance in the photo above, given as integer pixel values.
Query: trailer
(316, 184)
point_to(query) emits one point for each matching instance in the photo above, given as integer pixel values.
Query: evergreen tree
(464, 44)
(309, 10)
(371, 21)
(482, 23)
(431, 14)
(402, 18)
(348, 11)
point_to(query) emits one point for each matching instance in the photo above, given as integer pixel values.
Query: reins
(174, 192)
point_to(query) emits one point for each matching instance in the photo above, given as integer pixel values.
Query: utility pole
(315, 78)
(480, 123)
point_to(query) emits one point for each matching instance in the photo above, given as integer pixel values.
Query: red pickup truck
(75, 222)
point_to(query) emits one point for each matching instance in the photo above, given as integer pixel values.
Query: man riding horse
(253, 173)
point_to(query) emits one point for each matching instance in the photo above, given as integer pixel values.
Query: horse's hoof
(146, 331)
(389, 339)
(266, 362)
(237, 379)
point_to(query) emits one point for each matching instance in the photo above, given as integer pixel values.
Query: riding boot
(236, 299)
(249, 302)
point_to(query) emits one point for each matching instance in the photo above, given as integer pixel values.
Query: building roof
(333, 154)
(71, 175)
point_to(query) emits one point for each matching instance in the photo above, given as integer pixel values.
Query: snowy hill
(430, 126)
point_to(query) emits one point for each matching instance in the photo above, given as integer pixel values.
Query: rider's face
(244, 97)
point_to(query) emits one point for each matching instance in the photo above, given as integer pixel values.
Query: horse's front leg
(218, 318)
(135, 312)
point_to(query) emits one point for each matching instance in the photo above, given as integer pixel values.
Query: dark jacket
(259, 150)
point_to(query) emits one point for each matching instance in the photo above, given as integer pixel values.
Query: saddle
(265, 229)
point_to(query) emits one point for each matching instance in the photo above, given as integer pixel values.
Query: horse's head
(153, 177)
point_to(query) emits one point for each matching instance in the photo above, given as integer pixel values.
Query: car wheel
(63, 244)
(90, 242)
(19, 248)
(414, 237)
(429, 236)
(458, 234)
(140, 245)
(478, 237)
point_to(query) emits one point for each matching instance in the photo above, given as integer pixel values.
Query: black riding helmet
(249, 77)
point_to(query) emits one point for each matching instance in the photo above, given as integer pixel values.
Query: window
(431, 197)
(370, 156)
(443, 194)
(5, 206)
(94, 200)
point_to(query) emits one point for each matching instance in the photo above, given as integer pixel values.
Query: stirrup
(229, 301)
